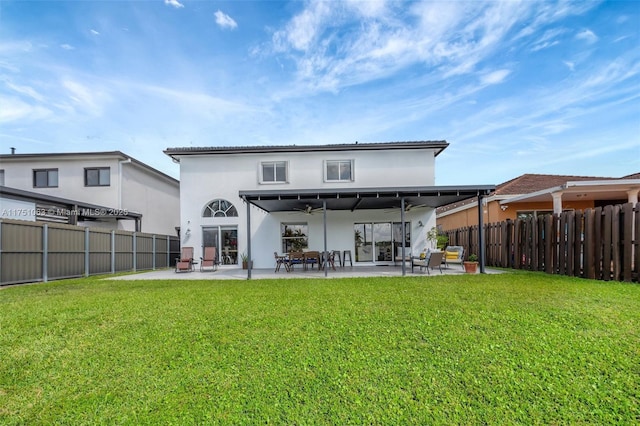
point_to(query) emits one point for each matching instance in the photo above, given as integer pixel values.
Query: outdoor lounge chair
(184, 263)
(209, 260)
(453, 254)
(432, 260)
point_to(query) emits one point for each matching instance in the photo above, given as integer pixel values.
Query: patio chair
(454, 254)
(184, 263)
(281, 260)
(312, 258)
(329, 258)
(209, 260)
(431, 260)
(295, 258)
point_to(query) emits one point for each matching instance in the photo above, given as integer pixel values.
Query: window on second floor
(45, 178)
(273, 172)
(97, 176)
(338, 171)
(1, 177)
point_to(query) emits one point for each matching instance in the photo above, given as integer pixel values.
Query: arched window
(220, 208)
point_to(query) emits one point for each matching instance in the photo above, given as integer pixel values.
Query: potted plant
(438, 240)
(245, 260)
(471, 264)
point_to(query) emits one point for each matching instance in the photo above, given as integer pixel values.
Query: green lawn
(493, 349)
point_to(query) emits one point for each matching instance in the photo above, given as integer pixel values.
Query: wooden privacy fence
(38, 251)
(601, 243)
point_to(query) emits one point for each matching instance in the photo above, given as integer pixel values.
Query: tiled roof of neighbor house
(364, 146)
(633, 176)
(527, 184)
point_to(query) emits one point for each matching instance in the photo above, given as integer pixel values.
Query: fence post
(168, 251)
(135, 252)
(113, 251)
(86, 252)
(153, 263)
(45, 253)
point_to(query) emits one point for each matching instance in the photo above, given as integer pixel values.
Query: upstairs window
(273, 172)
(1, 177)
(45, 178)
(97, 176)
(338, 171)
(220, 208)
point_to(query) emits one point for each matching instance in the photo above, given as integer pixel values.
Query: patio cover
(354, 199)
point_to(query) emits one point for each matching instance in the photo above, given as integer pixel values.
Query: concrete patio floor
(228, 273)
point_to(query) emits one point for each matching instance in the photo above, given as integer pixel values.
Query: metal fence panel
(65, 250)
(21, 252)
(74, 251)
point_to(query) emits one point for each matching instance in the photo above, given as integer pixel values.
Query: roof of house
(84, 210)
(439, 146)
(92, 154)
(531, 183)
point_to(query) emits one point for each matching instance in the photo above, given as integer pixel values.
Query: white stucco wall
(19, 175)
(140, 190)
(204, 178)
(157, 199)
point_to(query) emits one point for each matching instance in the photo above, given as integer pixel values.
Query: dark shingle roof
(364, 146)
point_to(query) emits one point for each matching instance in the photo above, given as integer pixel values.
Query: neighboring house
(281, 193)
(536, 194)
(117, 191)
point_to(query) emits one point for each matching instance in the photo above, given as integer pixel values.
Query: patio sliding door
(225, 240)
(378, 242)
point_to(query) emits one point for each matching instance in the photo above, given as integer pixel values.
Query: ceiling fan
(308, 209)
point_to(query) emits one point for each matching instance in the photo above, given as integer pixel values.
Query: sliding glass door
(225, 240)
(378, 242)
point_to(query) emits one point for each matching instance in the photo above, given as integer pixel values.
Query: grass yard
(494, 349)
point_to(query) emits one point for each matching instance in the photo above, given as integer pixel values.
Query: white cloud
(67, 46)
(174, 3)
(18, 110)
(88, 99)
(570, 65)
(495, 77)
(94, 32)
(23, 90)
(225, 21)
(588, 36)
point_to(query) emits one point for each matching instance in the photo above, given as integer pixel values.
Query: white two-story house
(351, 198)
(103, 189)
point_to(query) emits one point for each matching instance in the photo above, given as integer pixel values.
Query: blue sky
(514, 87)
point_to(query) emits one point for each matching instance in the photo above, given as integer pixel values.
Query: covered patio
(228, 273)
(352, 199)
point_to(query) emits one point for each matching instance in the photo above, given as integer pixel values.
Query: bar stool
(335, 253)
(344, 257)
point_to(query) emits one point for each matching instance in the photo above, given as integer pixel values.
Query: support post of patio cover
(248, 239)
(481, 253)
(324, 219)
(404, 267)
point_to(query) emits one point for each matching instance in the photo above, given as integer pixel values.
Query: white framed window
(219, 208)
(1, 177)
(97, 176)
(294, 236)
(338, 171)
(45, 178)
(274, 172)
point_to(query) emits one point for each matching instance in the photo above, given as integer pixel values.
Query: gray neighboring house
(103, 189)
